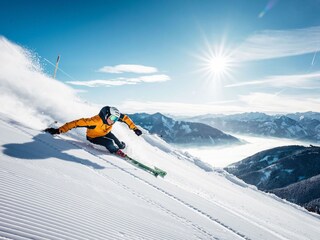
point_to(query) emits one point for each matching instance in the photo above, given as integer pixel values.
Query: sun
(219, 65)
(216, 62)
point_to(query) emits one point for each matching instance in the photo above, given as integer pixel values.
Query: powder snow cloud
(26, 93)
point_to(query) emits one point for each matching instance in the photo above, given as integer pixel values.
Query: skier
(99, 129)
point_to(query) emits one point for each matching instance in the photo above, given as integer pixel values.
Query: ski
(154, 171)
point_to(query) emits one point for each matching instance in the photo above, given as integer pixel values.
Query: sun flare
(219, 65)
(216, 62)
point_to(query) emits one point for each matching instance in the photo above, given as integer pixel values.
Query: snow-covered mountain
(311, 122)
(299, 116)
(62, 188)
(291, 172)
(181, 132)
(302, 126)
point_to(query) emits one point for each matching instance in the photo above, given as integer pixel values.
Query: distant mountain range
(182, 132)
(290, 172)
(302, 126)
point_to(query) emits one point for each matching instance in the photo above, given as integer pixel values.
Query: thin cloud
(264, 102)
(122, 81)
(154, 78)
(177, 108)
(255, 102)
(279, 43)
(128, 68)
(310, 80)
(99, 83)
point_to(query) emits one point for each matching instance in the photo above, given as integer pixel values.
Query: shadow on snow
(43, 147)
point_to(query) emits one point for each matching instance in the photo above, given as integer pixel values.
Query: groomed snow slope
(61, 188)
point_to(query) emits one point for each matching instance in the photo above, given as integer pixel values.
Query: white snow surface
(64, 188)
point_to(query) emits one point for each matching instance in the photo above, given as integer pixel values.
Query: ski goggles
(113, 118)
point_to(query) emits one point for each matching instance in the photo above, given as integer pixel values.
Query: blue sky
(150, 55)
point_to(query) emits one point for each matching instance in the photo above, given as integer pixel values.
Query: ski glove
(52, 131)
(137, 131)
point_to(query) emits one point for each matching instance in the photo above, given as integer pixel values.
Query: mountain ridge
(182, 132)
(299, 126)
(290, 172)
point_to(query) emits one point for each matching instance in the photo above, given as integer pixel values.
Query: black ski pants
(110, 141)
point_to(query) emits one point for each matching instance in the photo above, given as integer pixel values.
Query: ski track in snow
(41, 225)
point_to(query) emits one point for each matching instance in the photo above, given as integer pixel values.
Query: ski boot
(120, 153)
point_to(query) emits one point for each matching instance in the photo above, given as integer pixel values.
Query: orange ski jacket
(97, 125)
